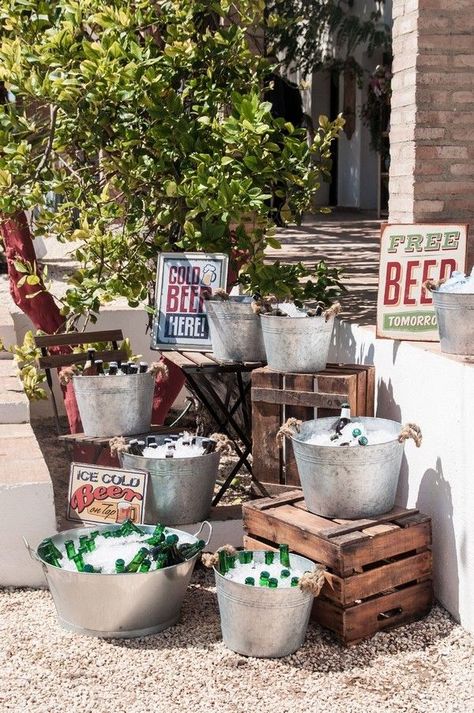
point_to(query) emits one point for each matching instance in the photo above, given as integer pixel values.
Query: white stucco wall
(417, 383)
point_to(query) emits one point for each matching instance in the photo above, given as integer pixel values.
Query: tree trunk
(45, 316)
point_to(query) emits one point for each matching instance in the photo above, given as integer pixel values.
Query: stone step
(14, 404)
(7, 329)
(26, 504)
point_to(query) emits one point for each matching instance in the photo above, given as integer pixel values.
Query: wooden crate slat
(76, 338)
(348, 526)
(343, 384)
(385, 545)
(369, 371)
(266, 420)
(57, 360)
(287, 498)
(263, 524)
(298, 399)
(346, 590)
(385, 611)
(361, 390)
(302, 385)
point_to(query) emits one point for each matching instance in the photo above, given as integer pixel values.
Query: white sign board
(410, 255)
(180, 321)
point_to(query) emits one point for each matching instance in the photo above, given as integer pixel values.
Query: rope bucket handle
(288, 430)
(432, 285)
(332, 311)
(411, 430)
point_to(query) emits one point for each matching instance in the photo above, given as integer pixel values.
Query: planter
(115, 405)
(261, 622)
(297, 344)
(455, 314)
(179, 490)
(359, 482)
(118, 605)
(235, 330)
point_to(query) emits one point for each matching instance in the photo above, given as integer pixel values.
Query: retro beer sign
(180, 320)
(410, 255)
(106, 495)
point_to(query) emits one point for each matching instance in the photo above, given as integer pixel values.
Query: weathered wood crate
(379, 571)
(277, 396)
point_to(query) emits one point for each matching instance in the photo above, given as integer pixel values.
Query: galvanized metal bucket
(115, 405)
(455, 313)
(236, 332)
(118, 605)
(297, 344)
(348, 482)
(179, 490)
(261, 622)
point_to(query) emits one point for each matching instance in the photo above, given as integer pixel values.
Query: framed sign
(410, 255)
(180, 320)
(105, 495)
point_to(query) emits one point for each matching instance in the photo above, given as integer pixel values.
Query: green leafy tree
(138, 127)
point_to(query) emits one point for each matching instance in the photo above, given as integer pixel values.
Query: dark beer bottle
(343, 419)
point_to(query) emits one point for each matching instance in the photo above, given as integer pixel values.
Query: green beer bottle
(250, 581)
(356, 433)
(137, 560)
(120, 566)
(295, 581)
(94, 534)
(172, 539)
(79, 562)
(90, 545)
(249, 557)
(231, 561)
(269, 557)
(284, 555)
(363, 441)
(145, 566)
(264, 577)
(223, 568)
(162, 561)
(189, 550)
(92, 570)
(242, 557)
(285, 573)
(273, 582)
(70, 549)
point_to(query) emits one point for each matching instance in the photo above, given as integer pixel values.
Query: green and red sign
(410, 255)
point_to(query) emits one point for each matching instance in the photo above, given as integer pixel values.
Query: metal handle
(390, 614)
(205, 522)
(34, 555)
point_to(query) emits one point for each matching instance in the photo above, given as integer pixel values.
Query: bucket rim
(297, 436)
(169, 530)
(147, 374)
(264, 589)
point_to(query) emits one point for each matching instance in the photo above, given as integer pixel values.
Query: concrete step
(26, 504)
(7, 328)
(14, 404)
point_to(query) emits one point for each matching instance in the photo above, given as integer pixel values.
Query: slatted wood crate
(379, 571)
(277, 396)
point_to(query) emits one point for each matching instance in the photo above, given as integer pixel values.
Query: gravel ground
(426, 667)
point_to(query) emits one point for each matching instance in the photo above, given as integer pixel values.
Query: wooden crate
(277, 396)
(379, 571)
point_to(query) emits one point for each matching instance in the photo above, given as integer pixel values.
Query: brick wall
(432, 131)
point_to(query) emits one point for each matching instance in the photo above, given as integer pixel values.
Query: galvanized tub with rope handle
(298, 344)
(345, 482)
(267, 623)
(119, 605)
(455, 315)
